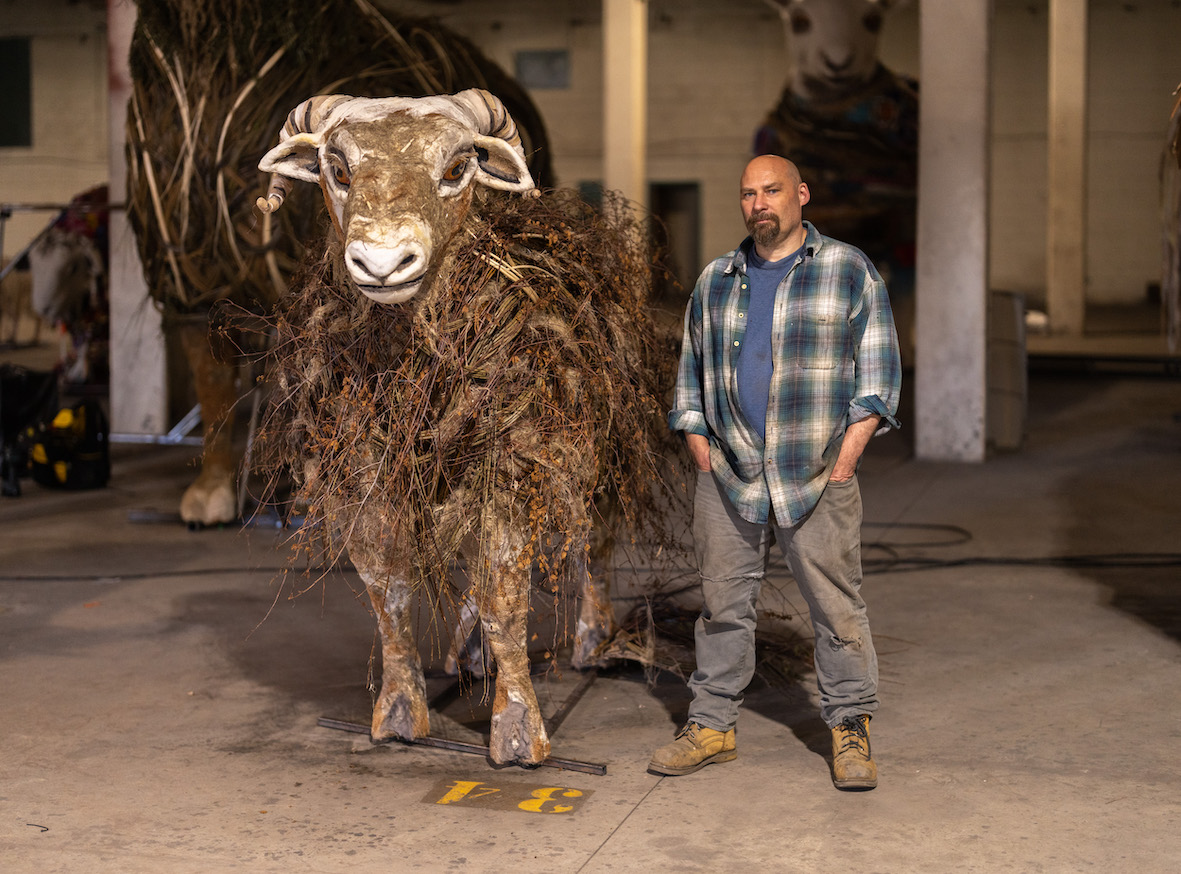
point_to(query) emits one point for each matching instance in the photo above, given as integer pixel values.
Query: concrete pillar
(952, 280)
(625, 98)
(1066, 249)
(138, 394)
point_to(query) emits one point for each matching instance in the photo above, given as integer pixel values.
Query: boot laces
(856, 735)
(689, 730)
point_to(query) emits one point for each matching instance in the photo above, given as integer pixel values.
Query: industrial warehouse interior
(188, 696)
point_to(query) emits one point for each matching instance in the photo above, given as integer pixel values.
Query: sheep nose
(838, 62)
(394, 261)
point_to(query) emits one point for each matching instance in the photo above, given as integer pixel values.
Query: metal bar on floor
(552, 725)
(461, 747)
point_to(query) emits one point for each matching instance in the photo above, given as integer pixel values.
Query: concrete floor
(159, 690)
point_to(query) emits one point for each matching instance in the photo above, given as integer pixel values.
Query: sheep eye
(872, 21)
(456, 170)
(340, 174)
(800, 23)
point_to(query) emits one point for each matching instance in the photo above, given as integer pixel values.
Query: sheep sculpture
(460, 374)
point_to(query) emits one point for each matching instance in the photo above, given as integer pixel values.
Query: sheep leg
(593, 627)
(211, 498)
(400, 710)
(518, 732)
(468, 651)
(596, 617)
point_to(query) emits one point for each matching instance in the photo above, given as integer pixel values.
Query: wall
(69, 103)
(1018, 169)
(1132, 70)
(1134, 67)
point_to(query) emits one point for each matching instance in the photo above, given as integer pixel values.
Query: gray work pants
(824, 555)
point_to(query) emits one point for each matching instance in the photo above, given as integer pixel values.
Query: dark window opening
(16, 93)
(677, 229)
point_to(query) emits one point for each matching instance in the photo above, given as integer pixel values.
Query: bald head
(774, 165)
(773, 197)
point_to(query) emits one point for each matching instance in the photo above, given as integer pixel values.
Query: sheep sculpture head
(834, 44)
(398, 176)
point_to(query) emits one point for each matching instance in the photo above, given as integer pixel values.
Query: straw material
(527, 379)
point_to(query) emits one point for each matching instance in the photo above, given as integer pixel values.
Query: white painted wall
(69, 101)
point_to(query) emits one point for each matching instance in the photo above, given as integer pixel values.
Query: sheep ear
(296, 157)
(501, 166)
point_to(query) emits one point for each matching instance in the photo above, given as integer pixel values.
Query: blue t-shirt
(756, 360)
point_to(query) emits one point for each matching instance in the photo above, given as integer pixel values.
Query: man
(789, 366)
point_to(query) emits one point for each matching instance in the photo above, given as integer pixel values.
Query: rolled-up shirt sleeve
(688, 412)
(879, 363)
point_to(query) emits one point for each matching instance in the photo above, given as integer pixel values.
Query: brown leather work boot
(695, 747)
(852, 764)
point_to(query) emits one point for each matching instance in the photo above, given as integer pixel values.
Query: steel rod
(461, 747)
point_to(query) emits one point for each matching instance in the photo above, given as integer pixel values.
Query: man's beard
(765, 234)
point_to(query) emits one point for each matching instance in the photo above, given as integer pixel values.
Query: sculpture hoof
(399, 721)
(518, 737)
(207, 503)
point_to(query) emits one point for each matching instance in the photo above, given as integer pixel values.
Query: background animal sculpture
(459, 373)
(68, 265)
(851, 126)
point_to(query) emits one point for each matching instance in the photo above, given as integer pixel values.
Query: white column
(1066, 250)
(625, 98)
(952, 281)
(138, 369)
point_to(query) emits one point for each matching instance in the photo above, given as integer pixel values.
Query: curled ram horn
(308, 117)
(279, 189)
(489, 116)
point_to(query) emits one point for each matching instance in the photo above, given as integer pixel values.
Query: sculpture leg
(596, 617)
(595, 621)
(518, 732)
(211, 498)
(468, 650)
(401, 708)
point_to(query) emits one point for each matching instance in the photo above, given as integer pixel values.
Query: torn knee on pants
(842, 643)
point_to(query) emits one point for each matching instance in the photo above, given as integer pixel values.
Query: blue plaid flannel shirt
(837, 362)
